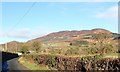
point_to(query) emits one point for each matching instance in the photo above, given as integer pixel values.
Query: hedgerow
(96, 62)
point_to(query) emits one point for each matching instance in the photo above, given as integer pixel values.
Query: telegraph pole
(5, 46)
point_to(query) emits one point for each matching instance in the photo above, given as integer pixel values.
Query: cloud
(25, 33)
(111, 13)
(21, 33)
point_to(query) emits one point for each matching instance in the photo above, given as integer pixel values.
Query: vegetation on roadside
(57, 62)
(81, 54)
(36, 46)
(31, 65)
(24, 49)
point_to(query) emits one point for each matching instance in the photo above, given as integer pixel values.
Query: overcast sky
(22, 21)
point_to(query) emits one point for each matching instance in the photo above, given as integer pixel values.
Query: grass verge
(31, 65)
(112, 55)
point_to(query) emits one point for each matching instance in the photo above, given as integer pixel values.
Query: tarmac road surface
(13, 64)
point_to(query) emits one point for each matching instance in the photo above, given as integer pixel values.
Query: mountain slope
(68, 35)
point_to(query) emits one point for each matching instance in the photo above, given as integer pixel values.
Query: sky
(23, 21)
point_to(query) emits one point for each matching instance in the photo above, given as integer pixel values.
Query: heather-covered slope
(69, 35)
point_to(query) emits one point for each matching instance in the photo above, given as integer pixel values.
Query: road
(13, 64)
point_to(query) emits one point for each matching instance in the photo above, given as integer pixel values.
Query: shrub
(24, 49)
(51, 62)
(37, 46)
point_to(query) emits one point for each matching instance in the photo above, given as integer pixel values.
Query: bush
(37, 46)
(51, 62)
(24, 49)
(68, 63)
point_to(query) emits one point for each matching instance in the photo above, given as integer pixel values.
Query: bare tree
(37, 46)
(102, 39)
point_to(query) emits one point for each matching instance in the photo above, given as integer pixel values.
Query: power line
(20, 20)
(24, 15)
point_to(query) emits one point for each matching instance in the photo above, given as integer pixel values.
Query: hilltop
(62, 38)
(69, 35)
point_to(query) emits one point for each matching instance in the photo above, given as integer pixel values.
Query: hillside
(61, 39)
(69, 35)
(12, 46)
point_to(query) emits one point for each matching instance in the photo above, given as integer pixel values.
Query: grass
(108, 55)
(112, 55)
(31, 65)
